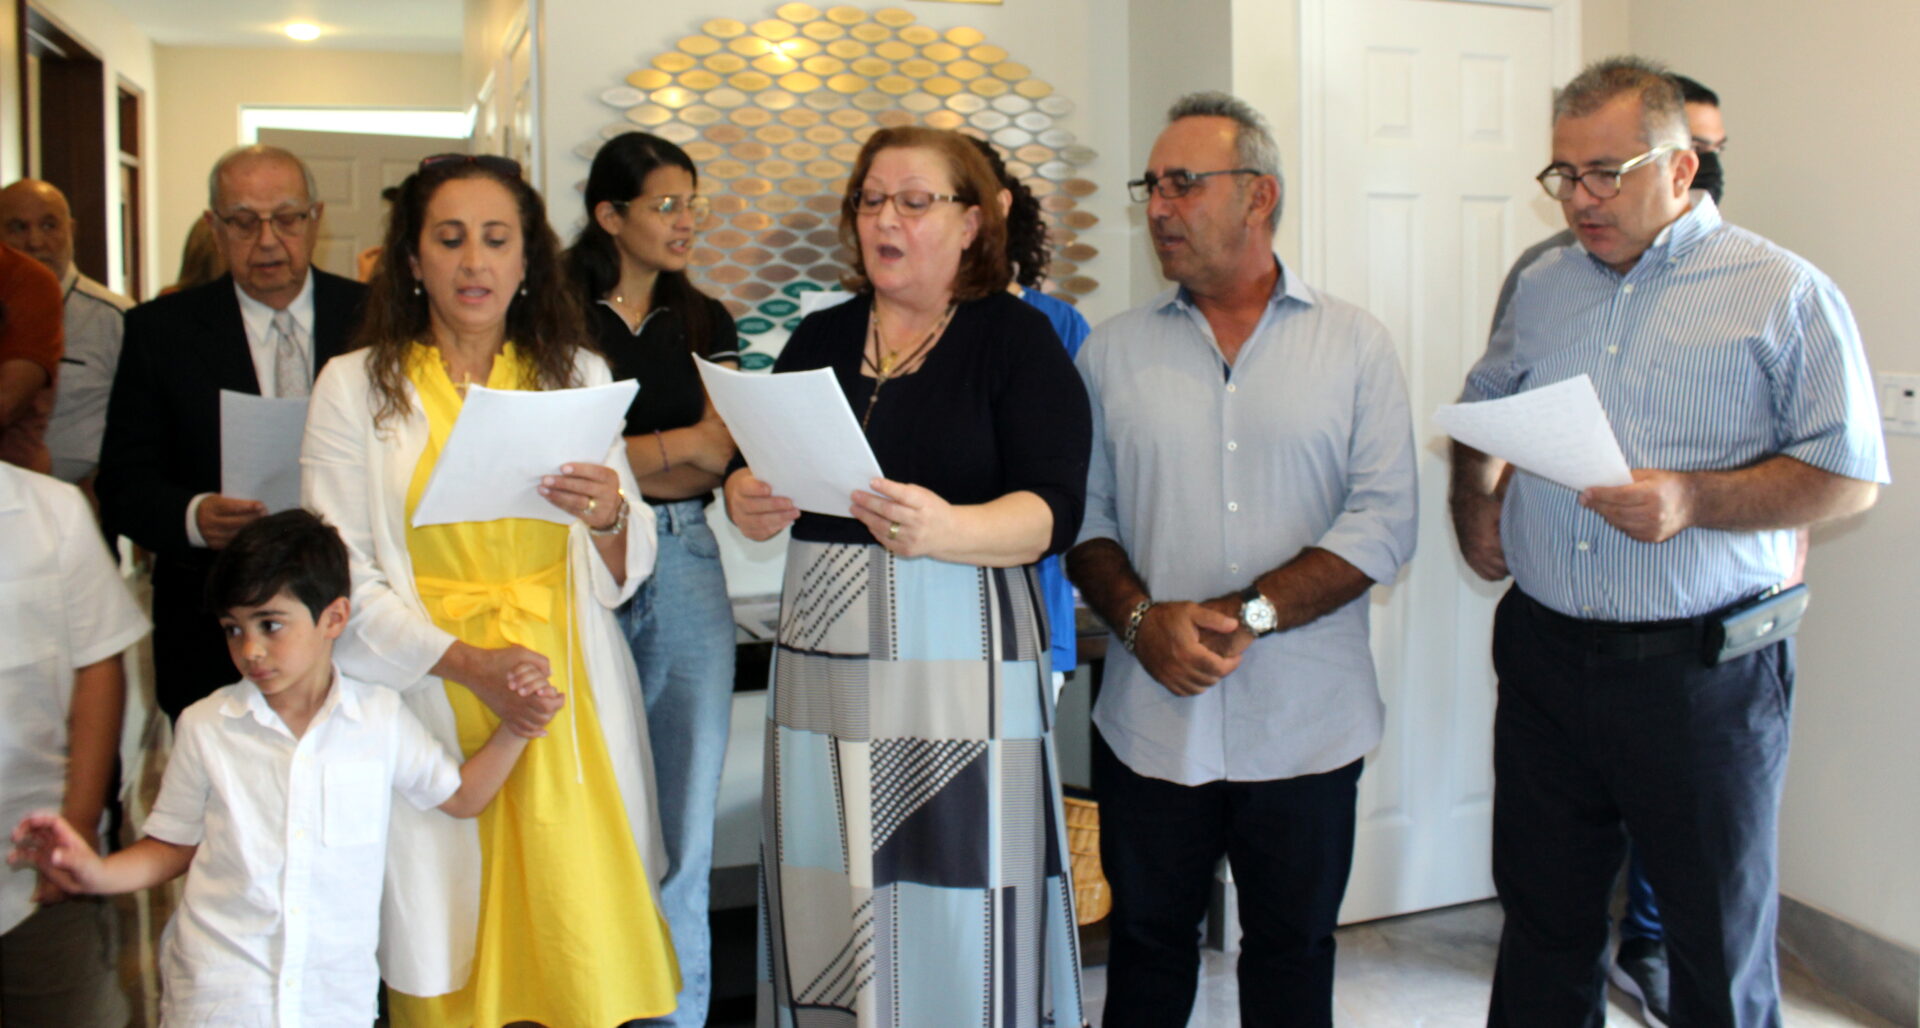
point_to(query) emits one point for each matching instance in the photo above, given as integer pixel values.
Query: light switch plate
(1899, 402)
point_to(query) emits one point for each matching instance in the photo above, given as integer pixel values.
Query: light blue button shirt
(1717, 350)
(1209, 477)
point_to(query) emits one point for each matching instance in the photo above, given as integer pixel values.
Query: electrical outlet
(1899, 402)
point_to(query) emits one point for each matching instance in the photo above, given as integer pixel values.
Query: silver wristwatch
(1257, 613)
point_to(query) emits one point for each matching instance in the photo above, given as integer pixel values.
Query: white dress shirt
(281, 914)
(94, 317)
(1209, 476)
(62, 607)
(258, 319)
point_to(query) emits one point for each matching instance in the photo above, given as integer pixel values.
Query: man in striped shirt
(1734, 376)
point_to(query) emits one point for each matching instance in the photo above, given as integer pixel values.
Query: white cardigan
(357, 478)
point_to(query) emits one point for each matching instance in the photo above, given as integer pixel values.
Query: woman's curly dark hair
(1028, 248)
(545, 322)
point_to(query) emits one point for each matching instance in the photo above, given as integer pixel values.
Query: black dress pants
(1687, 759)
(1290, 845)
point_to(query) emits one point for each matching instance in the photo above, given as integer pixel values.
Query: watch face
(1259, 615)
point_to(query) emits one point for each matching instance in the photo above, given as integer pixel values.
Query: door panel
(1436, 118)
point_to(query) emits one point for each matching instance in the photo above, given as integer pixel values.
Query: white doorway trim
(436, 123)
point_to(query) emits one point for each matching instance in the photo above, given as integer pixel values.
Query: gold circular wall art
(815, 83)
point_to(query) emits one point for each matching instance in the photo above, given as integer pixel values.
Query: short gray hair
(1663, 108)
(1253, 145)
(255, 151)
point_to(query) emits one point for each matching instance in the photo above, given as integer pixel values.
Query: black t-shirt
(657, 356)
(995, 408)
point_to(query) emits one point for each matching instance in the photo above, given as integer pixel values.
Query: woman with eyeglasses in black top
(629, 267)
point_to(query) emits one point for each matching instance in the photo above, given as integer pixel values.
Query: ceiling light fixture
(304, 31)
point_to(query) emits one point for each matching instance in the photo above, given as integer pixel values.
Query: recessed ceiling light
(304, 31)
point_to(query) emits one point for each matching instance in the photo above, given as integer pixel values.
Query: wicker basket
(1091, 898)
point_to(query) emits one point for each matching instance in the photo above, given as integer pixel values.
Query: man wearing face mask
(1640, 966)
(264, 328)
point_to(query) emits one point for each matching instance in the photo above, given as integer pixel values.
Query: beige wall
(201, 91)
(1821, 162)
(1605, 28)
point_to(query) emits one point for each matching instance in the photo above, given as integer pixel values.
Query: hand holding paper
(506, 441)
(260, 448)
(1558, 432)
(797, 433)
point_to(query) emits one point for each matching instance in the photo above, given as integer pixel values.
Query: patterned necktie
(289, 357)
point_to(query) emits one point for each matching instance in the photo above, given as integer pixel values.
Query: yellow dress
(569, 935)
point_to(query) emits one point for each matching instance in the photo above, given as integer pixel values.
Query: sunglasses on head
(505, 166)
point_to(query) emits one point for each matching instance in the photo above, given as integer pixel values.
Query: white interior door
(1432, 117)
(349, 170)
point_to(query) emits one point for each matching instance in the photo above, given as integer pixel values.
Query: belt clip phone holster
(1761, 621)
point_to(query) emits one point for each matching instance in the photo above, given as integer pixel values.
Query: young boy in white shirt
(275, 801)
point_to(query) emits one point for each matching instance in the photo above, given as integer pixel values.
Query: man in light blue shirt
(1252, 477)
(1735, 379)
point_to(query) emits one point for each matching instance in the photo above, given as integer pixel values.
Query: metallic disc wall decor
(774, 109)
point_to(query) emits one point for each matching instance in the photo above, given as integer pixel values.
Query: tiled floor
(1432, 970)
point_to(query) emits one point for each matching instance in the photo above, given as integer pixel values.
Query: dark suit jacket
(162, 448)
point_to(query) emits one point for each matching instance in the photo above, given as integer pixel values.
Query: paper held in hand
(1558, 432)
(505, 440)
(260, 448)
(797, 433)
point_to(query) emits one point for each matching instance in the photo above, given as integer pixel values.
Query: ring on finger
(893, 530)
(589, 509)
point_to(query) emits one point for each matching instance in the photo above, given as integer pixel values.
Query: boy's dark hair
(292, 550)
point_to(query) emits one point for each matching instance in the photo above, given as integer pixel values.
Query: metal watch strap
(1134, 618)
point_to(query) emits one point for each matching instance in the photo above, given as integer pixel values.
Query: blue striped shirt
(1716, 351)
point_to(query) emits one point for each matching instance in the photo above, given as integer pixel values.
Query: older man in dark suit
(264, 328)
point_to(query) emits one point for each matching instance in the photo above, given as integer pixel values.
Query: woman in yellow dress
(543, 910)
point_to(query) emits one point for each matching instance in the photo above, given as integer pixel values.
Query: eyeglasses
(1602, 183)
(1177, 183)
(668, 206)
(909, 203)
(504, 166)
(246, 224)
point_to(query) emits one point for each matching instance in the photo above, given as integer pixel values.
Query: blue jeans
(680, 626)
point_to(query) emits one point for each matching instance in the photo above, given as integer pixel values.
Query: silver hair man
(1663, 109)
(1253, 144)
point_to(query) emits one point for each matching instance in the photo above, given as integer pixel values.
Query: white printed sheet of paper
(797, 433)
(506, 440)
(260, 448)
(1558, 432)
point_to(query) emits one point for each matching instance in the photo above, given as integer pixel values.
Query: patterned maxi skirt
(913, 848)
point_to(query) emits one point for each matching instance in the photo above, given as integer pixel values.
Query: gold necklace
(890, 360)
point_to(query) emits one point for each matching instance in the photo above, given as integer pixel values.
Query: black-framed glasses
(1602, 183)
(909, 203)
(668, 206)
(505, 166)
(1177, 183)
(246, 224)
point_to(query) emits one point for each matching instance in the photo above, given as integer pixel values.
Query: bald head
(35, 219)
(263, 217)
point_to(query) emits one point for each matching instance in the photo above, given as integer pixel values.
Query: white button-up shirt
(281, 914)
(1209, 476)
(62, 607)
